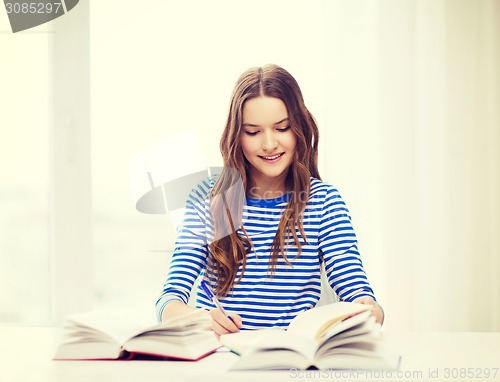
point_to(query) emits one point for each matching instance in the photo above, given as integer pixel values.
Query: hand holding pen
(223, 323)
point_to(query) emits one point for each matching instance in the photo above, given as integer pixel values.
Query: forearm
(378, 312)
(175, 309)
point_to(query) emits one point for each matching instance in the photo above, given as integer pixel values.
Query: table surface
(26, 355)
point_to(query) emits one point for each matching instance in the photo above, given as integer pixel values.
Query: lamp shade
(163, 173)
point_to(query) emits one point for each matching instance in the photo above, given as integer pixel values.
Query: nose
(270, 141)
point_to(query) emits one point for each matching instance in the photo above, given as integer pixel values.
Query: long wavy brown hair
(228, 250)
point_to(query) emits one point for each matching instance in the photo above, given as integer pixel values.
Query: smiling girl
(261, 249)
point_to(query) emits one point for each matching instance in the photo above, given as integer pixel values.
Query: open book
(342, 335)
(114, 335)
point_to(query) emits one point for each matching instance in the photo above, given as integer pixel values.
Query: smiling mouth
(271, 157)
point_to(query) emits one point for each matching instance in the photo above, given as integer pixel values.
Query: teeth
(273, 157)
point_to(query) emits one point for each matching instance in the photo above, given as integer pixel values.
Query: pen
(212, 297)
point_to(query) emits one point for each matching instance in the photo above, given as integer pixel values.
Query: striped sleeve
(190, 253)
(338, 244)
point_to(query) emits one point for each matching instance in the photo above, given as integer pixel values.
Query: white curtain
(412, 114)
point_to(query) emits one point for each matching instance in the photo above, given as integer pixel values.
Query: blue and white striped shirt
(261, 300)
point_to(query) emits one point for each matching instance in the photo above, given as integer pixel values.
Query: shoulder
(320, 188)
(325, 194)
(201, 190)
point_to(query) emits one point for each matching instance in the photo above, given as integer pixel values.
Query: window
(24, 174)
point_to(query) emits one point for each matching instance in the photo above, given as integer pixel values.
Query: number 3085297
(25, 8)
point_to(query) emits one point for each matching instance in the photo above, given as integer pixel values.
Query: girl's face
(267, 141)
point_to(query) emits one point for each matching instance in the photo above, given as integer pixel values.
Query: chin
(274, 174)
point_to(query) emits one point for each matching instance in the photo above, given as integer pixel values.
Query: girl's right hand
(223, 325)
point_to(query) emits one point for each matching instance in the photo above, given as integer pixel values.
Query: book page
(334, 345)
(190, 347)
(314, 322)
(364, 346)
(124, 324)
(382, 361)
(347, 324)
(365, 327)
(268, 340)
(116, 324)
(179, 329)
(275, 360)
(364, 353)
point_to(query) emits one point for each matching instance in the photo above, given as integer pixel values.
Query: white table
(26, 355)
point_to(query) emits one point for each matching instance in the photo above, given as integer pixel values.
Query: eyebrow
(275, 123)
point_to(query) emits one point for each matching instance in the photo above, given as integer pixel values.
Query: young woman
(259, 233)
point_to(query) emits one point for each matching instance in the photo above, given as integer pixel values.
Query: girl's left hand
(377, 311)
